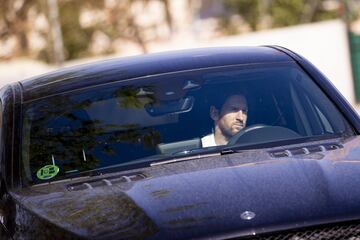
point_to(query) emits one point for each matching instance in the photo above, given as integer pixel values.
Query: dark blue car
(219, 143)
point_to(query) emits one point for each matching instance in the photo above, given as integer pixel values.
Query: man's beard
(228, 133)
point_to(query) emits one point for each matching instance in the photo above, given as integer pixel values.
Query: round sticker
(47, 172)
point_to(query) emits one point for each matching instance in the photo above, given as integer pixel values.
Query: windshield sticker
(47, 172)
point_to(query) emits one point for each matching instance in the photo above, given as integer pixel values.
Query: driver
(229, 118)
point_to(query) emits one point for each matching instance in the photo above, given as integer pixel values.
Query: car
(212, 143)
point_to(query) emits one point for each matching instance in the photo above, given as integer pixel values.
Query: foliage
(278, 13)
(291, 12)
(352, 8)
(14, 21)
(248, 9)
(76, 39)
(119, 20)
(17, 16)
(287, 12)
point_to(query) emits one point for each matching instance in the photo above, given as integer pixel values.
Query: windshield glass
(171, 115)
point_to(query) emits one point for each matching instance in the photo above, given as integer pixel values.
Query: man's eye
(238, 109)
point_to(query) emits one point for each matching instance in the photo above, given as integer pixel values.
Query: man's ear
(214, 113)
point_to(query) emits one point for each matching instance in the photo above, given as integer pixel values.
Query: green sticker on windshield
(47, 172)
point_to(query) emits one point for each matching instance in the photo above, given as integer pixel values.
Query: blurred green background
(54, 31)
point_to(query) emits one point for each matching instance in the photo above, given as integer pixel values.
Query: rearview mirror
(170, 107)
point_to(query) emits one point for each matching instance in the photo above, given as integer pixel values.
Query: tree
(248, 9)
(120, 23)
(286, 12)
(277, 13)
(292, 12)
(14, 22)
(76, 38)
(58, 45)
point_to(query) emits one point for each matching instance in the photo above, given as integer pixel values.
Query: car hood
(232, 195)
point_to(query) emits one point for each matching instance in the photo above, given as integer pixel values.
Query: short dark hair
(218, 99)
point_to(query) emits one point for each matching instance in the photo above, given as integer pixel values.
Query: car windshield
(153, 118)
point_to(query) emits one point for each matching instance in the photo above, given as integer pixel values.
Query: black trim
(17, 132)
(7, 97)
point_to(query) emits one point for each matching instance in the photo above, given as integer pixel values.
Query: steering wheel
(259, 133)
(233, 140)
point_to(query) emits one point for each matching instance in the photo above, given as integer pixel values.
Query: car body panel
(281, 192)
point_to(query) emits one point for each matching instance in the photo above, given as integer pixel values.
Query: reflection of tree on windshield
(61, 127)
(132, 97)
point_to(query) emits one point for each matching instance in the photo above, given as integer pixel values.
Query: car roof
(71, 78)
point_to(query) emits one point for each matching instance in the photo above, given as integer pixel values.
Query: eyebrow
(241, 107)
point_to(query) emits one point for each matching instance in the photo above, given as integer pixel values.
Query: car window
(165, 116)
(325, 123)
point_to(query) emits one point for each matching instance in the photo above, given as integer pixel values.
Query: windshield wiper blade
(238, 148)
(227, 151)
(181, 159)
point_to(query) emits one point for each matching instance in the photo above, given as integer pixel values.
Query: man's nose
(240, 115)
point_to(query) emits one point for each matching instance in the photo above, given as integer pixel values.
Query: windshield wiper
(227, 151)
(181, 159)
(238, 148)
(156, 160)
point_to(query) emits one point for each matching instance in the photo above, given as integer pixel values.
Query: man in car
(229, 118)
